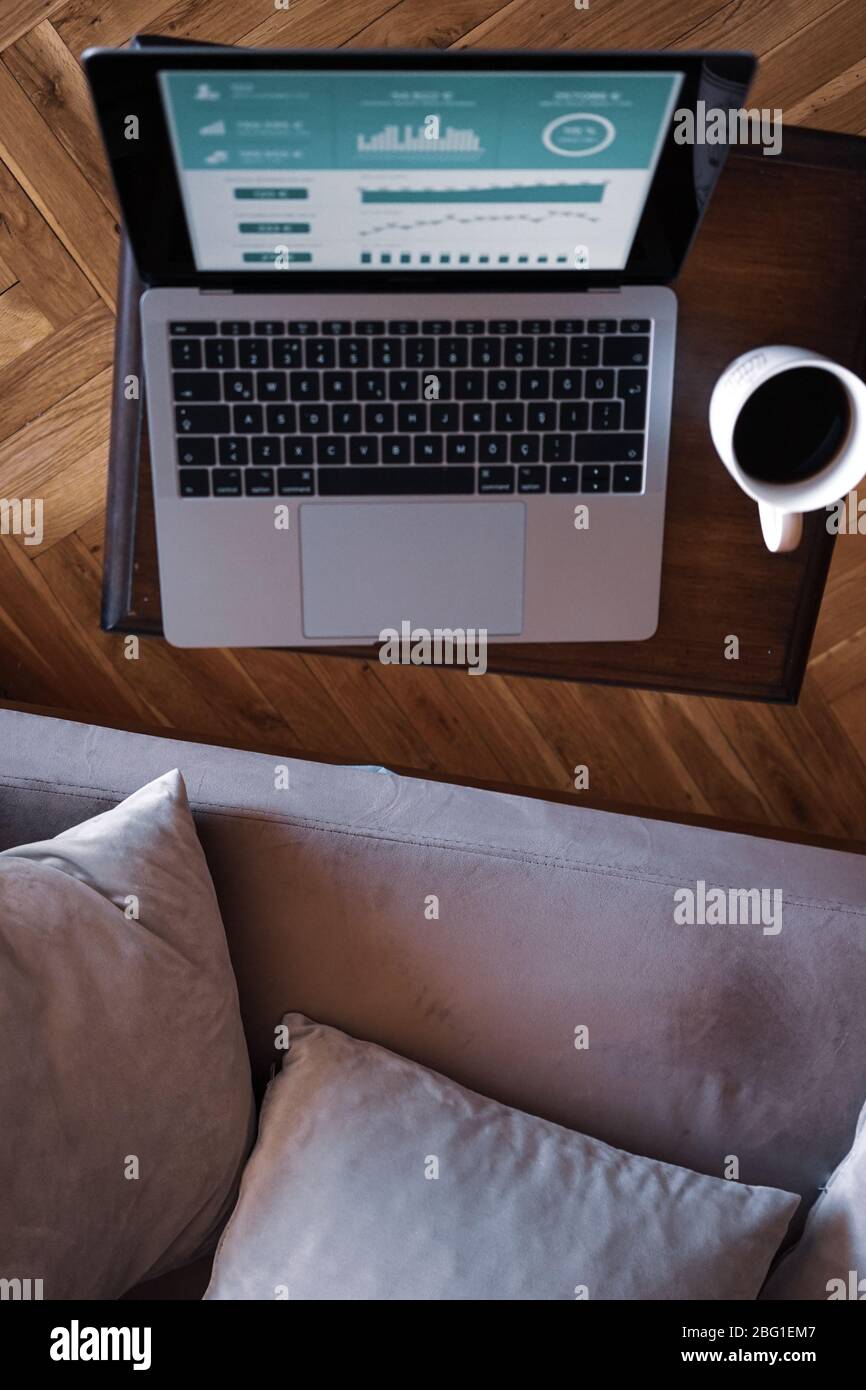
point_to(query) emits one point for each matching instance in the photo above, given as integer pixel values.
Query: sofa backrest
(529, 950)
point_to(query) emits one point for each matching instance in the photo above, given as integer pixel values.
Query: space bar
(388, 481)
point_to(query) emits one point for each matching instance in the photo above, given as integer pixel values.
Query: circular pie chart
(578, 134)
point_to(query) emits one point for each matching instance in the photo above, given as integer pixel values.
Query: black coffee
(792, 426)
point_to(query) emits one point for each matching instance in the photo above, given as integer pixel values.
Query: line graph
(452, 219)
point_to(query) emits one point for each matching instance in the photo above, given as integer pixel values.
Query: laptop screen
(415, 170)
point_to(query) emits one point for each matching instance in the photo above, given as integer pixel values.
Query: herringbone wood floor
(800, 768)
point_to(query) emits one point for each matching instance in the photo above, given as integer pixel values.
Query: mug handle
(782, 530)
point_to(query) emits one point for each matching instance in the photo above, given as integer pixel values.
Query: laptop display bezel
(125, 83)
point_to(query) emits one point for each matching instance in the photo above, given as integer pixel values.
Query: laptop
(409, 332)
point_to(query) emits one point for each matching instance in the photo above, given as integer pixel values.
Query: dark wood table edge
(812, 148)
(563, 798)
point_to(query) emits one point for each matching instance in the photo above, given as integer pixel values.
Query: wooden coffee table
(779, 259)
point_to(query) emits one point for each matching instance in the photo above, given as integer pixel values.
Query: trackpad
(366, 566)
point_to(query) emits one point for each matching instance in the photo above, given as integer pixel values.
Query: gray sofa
(476, 932)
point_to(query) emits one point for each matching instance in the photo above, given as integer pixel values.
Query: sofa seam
(226, 811)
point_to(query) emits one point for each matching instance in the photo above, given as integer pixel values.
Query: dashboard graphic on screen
(415, 171)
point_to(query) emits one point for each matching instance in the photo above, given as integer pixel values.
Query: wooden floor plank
(803, 768)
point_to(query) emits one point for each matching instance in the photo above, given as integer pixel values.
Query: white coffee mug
(781, 503)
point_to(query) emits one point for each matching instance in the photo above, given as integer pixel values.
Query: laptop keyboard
(410, 408)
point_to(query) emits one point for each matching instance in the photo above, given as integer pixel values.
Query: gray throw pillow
(829, 1260)
(126, 1107)
(374, 1178)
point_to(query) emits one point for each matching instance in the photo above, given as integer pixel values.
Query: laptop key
(459, 448)
(337, 386)
(477, 419)
(574, 415)
(469, 386)
(295, 482)
(364, 450)
(226, 482)
(268, 328)
(313, 419)
(387, 352)
(525, 448)
(347, 418)
(567, 385)
(453, 352)
(510, 416)
(607, 415)
(626, 352)
(535, 326)
(370, 327)
(370, 386)
(519, 352)
(402, 328)
(531, 479)
(436, 326)
(233, 452)
(195, 452)
(627, 477)
(427, 448)
(493, 448)
(196, 386)
(412, 419)
(271, 386)
(248, 419)
(194, 482)
(632, 389)
(331, 449)
(552, 352)
(569, 326)
(420, 352)
(563, 479)
(200, 328)
(266, 451)
(466, 326)
(254, 352)
(535, 386)
(353, 352)
(280, 419)
(541, 417)
(220, 352)
(496, 480)
(185, 352)
(259, 482)
(396, 448)
(556, 448)
(634, 326)
(336, 327)
(403, 386)
(595, 477)
(379, 419)
(416, 481)
(303, 328)
(584, 352)
(320, 352)
(304, 386)
(502, 385)
(234, 328)
(444, 416)
(297, 449)
(287, 352)
(599, 384)
(502, 326)
(238, 386)
(202, 419)
(486, 352)
(601, 326)
(608, 448)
